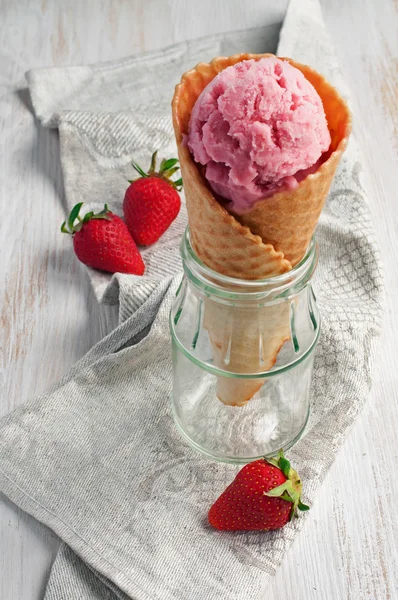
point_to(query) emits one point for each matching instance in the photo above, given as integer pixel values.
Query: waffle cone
(267, 241)
(245, 341)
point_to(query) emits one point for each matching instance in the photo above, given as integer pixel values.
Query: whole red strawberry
(102, 241)
(264, 495)
(152, 201)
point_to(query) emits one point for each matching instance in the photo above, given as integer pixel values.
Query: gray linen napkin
(98, 458)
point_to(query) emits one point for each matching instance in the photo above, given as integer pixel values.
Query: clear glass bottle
(243, 355)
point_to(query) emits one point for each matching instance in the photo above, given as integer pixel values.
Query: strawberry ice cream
(259, 127)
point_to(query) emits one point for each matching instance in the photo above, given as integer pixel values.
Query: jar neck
(218, 285)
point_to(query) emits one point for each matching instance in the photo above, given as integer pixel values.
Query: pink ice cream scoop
(258, 127)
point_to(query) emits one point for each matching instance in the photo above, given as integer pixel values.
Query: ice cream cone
(266, 241)
(245, 341)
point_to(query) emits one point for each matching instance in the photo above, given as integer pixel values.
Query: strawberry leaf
(104, 214)
(152, 167)
(88, 216)
(64, 229)
(284, 466)
(277, 491)
(74, 215)
(99, 216)
(272, 461)
(286, 497)
(303, 506)
(168, 164)
(167, 169)
(139, 170)
(169, 172)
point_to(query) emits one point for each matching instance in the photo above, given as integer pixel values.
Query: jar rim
(219, 284)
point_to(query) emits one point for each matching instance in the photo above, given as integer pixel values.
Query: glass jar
(243, 354)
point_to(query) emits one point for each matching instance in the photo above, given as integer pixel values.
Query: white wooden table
(49, 316)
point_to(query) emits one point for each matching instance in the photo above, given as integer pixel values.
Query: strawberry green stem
(291, 489)
(166, 170)
(70, 227)
(152, 167)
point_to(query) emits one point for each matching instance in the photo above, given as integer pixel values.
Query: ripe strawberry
(102, 241)
(152, 201)
(264, 495)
